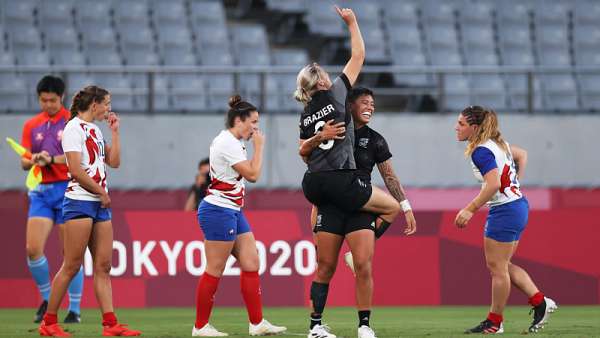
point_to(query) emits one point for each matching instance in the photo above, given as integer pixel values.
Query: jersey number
(327, 144)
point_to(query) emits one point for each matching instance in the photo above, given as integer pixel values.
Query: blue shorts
(221, 224)
(46, 201)
(506, 222)
(73, 209)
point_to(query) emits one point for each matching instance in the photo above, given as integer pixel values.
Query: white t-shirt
(85, 138)
(226, 188)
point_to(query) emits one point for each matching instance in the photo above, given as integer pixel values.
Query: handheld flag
(34, 177)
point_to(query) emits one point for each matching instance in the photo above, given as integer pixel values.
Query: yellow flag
(34, 177)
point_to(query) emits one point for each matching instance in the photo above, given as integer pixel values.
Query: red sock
(109, 319)
(536, 299)
(205, 298)
(495, 318)
(250, 285)
(50, 318)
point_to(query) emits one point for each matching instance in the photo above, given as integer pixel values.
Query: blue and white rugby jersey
(488, 156)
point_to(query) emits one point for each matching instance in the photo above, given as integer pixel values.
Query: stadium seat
(67, 58)
(488, 90)
(176, 57)
(375, 44)
(131, 11)
(476, 12)
(438, 12)
(120, 89)
(24, 40)
(517, 57)
(322, 19)
(188, 92)
(586, 12)
(92, 13)
(403, 36)
(369, 12)
(457, 92)
(513, 37)
(289, 57)
(172, 11)
(559, 92)
(60, 11)
(411, 58)
(104, 57)
(19, 11)
(287, 6)
(399, 13)
(174, 41)
(513, 12)
(207, 13)
(98, 38)
(477, 37)
(212, 38)
(551, 12)
(13, 92)
(586, 43)
(517, 88)
(589, 91)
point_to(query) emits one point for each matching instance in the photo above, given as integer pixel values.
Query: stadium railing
(144, 88)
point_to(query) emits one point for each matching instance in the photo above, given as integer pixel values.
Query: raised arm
(250, 169)
(357, 56)
(113, 152)
(520, 156)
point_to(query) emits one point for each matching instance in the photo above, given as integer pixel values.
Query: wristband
(51, 159)
(405, 205)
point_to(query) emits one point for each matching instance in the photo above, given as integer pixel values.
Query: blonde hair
(487, 120)
(306, 83)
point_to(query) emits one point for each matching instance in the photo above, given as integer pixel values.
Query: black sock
(315, 319)
(318, 295)
(363, 317)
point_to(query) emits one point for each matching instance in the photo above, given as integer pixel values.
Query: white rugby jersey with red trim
(509, 184)
(227, 186)
(85, 138)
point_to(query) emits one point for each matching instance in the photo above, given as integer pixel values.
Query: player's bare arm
(84, 179)
(330, 131)
(113, 151)
(488, 190)
(395, 188)
(250, 169)
(357, 45)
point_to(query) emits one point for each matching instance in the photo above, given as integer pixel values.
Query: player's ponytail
(488, 129)
(85, 97)
(238, 108)
(306, 83)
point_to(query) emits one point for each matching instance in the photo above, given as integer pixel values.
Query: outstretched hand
(346, 14)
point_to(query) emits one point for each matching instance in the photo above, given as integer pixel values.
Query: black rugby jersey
(370, 148)
(324, 106)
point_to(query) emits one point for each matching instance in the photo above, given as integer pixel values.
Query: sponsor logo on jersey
(363, 142)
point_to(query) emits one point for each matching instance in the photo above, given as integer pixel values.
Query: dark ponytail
(238, 108)
(85, 97)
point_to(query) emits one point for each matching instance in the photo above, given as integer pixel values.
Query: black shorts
(343, 188)
(333, 220)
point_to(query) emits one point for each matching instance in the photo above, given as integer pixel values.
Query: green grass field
(568, 321)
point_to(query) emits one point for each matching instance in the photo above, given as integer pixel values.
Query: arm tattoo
(391, 180)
